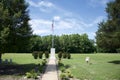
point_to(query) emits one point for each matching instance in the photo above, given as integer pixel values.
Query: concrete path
(51, 71)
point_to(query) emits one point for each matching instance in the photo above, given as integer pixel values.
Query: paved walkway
(51, 71)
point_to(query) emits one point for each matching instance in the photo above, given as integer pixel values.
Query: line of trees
(73, 43)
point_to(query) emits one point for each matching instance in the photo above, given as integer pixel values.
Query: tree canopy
(15, 32)
(108, 34)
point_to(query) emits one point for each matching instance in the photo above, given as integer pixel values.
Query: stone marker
(87, 59)
(6, 61)
(52, 53)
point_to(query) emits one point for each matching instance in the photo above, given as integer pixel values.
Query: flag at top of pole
(52, 25)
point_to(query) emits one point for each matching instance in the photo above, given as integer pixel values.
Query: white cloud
(56, 18)
(91, 35)
(44, 6)
(68, 23)
(32, 3)
(40, 26)
(104, 2)
(95, 3)
(96, 21)
(36, 23)
(40, 4)
(41, 32)
(64, 25)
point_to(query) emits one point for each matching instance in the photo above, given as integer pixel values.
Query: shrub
(62, 69)
(31, 74)
(65, 73)
(69, 56)
(68, 72)
(40, 69)
(60, 64)
(59, 61)
(70, 75)
(64, 55)
(46, 54)
(35, 54)
(44, 61)
(60, 55)
(63, 76)
(28, 75)
(34, 76)
(40, 54)
(118, 50)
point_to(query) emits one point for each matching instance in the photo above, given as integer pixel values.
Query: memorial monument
(52, 50)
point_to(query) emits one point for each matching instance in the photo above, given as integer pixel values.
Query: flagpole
(52, 33)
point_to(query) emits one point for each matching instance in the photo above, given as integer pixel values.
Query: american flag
(52, 25)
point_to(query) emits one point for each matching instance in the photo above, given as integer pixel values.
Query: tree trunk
(0, 57)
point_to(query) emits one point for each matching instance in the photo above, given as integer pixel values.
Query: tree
(108, 34)
(36, 43)
(3, 31)
(64, 42)
(46, 40)
(76, 43)
(15, 32)
(87, 45)
(57, 43)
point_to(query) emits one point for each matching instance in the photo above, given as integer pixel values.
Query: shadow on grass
(15, 69)
(115, 62)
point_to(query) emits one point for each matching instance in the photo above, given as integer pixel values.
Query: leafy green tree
(76, 46)
(15, 32)
(87, 45)
(46, 43)
(36, 43)
(57, 43)
(4, 31)
(108, 34)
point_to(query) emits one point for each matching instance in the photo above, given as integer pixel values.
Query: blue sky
(70, 16)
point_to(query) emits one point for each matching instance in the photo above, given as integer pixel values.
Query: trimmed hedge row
(39, 54)
(64, 55)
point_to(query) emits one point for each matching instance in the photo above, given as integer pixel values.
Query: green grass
(101, 67)
(21, 58)
(22, 63)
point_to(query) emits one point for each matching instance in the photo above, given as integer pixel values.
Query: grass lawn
(21, 58)
(22, 63)
(101, 67)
